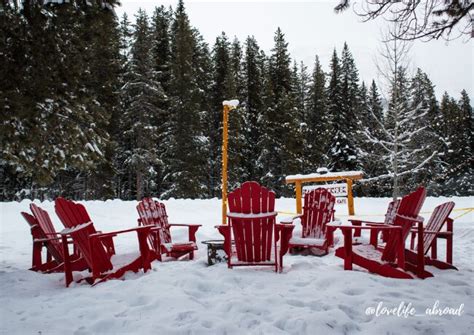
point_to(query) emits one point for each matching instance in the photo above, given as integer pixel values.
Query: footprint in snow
(353, 291)
(295, 303)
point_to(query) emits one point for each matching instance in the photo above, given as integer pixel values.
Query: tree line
(97, 107)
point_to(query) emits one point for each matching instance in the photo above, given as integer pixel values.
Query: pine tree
(252, 109)
(318, 120)
(184, 156)
(427, 141)
(457, 129)
(221, 88)
(344, 101)
(369, 135)
(282, 155)
(161, 51)
(143, 101)
(237, 137)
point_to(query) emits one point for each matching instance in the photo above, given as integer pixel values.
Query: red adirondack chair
(44, 235)
(153, 214)
(92, 247)
(431, 233)
(252, 224)
(318, 211)
(389, 261)
(78, 217)
(389, 218)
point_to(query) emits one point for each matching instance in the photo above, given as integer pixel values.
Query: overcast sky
(312, 27)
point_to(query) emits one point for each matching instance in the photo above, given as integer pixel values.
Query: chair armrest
(52, 234)
(289, 220)
(409, 218)
(366, 222)
(47, 239)
(251, 216)
(284, 226)
(192, 229)
(377, 227)
(185, 225)
(113, 233)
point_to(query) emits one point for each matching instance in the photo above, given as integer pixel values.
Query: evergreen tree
(457, 128)
(282, 156)
(143, 101)
(221, 88)
(184, 156)
(344, 102)
(427, 141)
(236, 118)
(318, 120)
(252, 109)
(161, 50)
(369, 136)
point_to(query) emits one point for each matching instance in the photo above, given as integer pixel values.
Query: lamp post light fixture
(228, 105)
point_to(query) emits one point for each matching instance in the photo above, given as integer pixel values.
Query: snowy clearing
(313, 295)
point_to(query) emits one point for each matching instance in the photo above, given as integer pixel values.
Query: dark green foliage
(97, 108)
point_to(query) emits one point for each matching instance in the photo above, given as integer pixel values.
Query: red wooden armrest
(385, 227)
(284, 226)
(251, 216)
(192, 229)
(367, 222)
(441, 233)
(184, 225)
(113, 233)
(291, 219)
(409, 218)
(48, 239)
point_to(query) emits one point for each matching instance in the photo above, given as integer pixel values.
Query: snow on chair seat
(99, 257)
(431, 233)
(310, 242)
(153, 214)
(318, 211)
(258, 239)
(389, 261)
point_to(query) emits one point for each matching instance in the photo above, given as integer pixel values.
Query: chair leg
(347, 249)
(67, 262)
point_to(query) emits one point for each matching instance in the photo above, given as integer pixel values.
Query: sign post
(227, 106)
(347, 176)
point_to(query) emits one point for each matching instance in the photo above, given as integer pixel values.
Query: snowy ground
(314, 295)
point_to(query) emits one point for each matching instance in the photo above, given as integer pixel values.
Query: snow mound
(313, 295)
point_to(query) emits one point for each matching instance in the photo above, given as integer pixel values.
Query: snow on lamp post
(228, 105)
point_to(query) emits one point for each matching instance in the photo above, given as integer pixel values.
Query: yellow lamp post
(227, 106)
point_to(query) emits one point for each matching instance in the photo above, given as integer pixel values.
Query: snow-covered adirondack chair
(44, 235)
(252, 236)
(431, 233)
(389, 217)
(389, 261)
(318, 211)
(153, 214)
(91, 246)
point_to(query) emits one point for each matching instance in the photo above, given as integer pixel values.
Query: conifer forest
(95, 106)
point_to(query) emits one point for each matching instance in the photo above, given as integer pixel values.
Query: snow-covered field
(314, 295)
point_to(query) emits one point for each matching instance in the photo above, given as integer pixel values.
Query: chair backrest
(74, 215)
(54, 247)
(318, 210)
(391, 211)
(437, 219)
(153, 213)
(253, 235)
(47, 230)
(410, 206)
(71, 213)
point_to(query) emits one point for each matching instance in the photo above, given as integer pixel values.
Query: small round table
(215, 251)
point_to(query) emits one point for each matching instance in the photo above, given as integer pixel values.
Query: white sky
(312, 27)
